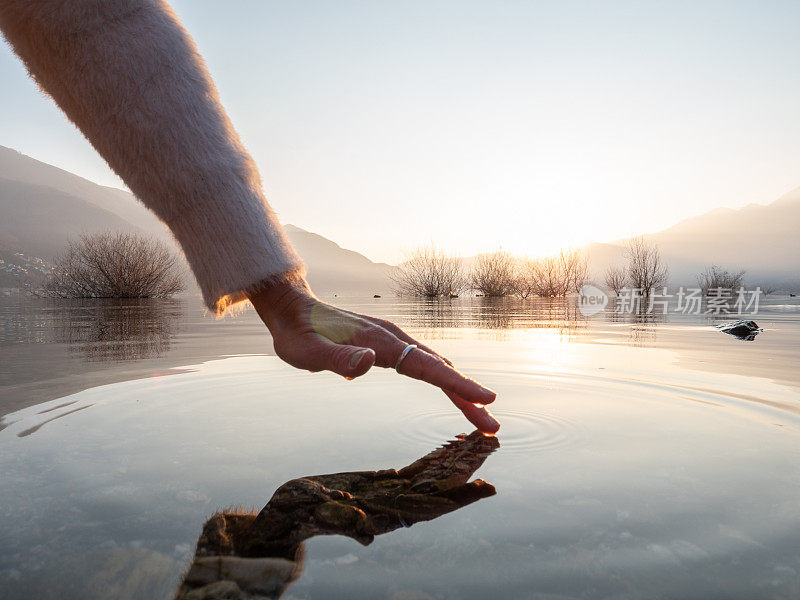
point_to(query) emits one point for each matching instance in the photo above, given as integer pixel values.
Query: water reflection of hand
(309, 334)
(241, 554)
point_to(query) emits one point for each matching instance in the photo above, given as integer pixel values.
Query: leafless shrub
(768, 289)
(546, 278)
(115, 265)
(552, 276)
(428, 273)
(715, 277)
(527, 278)
(495, 274)
(616, 278)
(646, 270)
(575, 268)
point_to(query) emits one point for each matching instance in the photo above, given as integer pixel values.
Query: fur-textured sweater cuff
(235, 248)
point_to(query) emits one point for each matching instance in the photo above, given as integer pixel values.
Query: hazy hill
(92, 207)
(42, 206)
(762, 239)
(38, 220)
(335, 269)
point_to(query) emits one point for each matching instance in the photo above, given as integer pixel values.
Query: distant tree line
(429, 273)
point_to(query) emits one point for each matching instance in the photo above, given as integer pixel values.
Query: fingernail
(494, 424)
(488, 394)
(356, 358)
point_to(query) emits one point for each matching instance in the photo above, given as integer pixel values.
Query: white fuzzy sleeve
(130, 77)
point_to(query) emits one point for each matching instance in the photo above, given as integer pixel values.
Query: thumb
(349, 361)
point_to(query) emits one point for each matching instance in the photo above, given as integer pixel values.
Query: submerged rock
(743, 330)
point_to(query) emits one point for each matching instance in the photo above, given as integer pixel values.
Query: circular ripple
(520, 431)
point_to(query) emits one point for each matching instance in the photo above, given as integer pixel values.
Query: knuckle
(388, 325)
(380, 340)
(368, 330)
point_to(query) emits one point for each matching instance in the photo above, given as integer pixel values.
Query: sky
(527, 126)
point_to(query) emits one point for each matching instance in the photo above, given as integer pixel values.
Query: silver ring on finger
(403, 354)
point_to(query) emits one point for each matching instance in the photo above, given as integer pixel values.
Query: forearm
(129, 76)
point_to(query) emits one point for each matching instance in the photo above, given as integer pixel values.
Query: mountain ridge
(762, 239)
(42, 206)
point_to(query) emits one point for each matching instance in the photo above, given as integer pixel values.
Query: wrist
(279, 297)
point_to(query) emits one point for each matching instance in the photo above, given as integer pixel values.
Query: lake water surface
(638, 457)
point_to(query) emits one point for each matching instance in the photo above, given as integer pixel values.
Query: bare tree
(715, 277)
(540, 277)
(527, 278)
(574, 267)
(646, 270)
(552, 276)
(115, 265)
(428, 273)
(768, 289)
(495, 274)
(616, 278)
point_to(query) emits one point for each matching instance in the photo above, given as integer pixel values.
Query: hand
(310, 334)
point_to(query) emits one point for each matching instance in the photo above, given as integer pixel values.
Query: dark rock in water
(377, 296)
(743, 330)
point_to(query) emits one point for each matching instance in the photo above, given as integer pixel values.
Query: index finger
(477, 414)
(392, 328)
(418, 364)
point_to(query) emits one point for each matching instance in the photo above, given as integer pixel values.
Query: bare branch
(616, 278)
